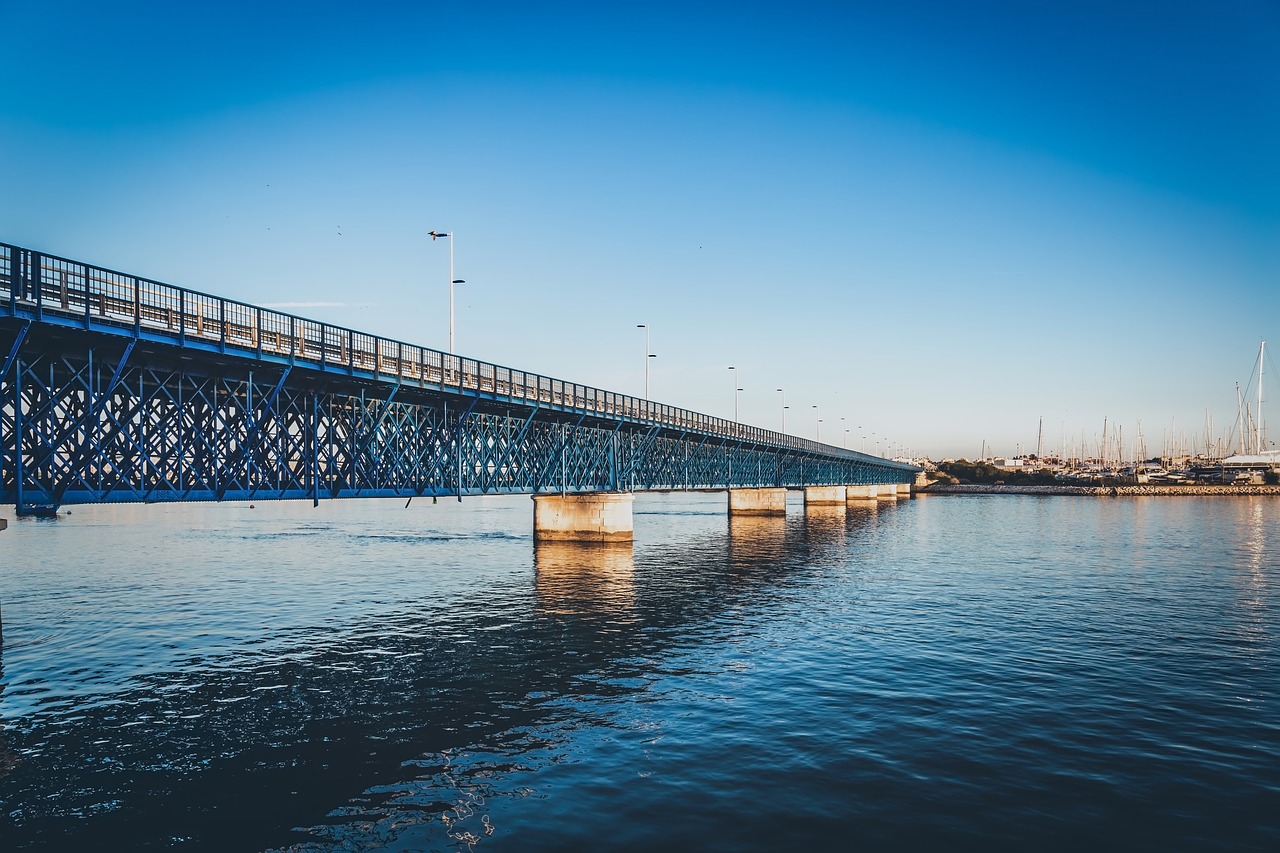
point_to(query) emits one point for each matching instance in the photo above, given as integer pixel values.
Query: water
(986, 672)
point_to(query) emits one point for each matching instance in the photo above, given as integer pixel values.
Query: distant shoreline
(1098, 491)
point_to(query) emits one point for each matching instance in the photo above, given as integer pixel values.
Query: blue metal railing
(40, 285)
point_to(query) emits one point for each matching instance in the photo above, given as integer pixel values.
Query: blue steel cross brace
(120, 388)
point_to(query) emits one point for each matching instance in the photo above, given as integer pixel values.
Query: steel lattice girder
(90, 418)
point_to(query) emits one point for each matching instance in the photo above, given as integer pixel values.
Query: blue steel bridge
(114, 387)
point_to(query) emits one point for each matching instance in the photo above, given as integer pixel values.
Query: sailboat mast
(1240, 418)
(1257, 440)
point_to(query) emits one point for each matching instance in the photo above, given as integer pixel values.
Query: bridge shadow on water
(405, 731)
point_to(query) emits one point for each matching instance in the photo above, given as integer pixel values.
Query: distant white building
(1242, 467)
(1253, 460)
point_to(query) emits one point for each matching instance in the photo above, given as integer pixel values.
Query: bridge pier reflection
(577, 578)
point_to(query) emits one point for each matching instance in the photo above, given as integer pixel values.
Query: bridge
(116, 387)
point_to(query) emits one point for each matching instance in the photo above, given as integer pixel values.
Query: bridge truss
(118, 388)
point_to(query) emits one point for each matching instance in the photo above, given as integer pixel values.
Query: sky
(934, 225)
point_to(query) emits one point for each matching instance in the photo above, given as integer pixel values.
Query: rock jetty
(1097, 491)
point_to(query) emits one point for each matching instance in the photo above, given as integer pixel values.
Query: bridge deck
(76, 304)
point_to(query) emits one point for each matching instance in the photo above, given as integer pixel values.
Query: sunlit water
(982, 672)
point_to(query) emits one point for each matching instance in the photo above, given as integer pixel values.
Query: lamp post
(783, 398)
(647, 355)
(736, 389)
(817, 424)
(452, 281)
(845, 430)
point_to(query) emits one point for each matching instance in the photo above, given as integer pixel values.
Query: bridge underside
(88, 417)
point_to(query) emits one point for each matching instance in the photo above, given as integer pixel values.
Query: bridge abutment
(583, 517)
(758, 501)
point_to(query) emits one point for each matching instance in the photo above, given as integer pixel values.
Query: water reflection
(1255, 526)
(825, 525)
(755, 537)
(861, 514)
(441, 688)
(584, 577)
(444, 695)
(8, 759)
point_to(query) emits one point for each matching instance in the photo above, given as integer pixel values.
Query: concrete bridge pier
(758, 501)
(904, 491)
(860, 495)
(583, 517)
(824, 496)
(887, 493)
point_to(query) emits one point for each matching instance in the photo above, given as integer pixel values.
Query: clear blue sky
(938, 221)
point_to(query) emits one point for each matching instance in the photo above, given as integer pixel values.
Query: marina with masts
(1241, 455)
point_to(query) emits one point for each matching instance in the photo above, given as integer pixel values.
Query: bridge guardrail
(47, 284)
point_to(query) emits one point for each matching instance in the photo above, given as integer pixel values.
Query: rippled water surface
(985, 672)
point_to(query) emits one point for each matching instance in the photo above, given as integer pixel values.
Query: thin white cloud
(307, 305)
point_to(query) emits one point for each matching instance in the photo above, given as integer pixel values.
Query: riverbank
(1099, 491)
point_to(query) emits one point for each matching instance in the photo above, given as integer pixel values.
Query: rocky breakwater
(1098, 491)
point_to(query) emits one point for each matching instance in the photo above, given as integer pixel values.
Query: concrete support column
(824, 496)
(887, 492)
(757, 501)
(904, 491)
(860, 494)
(583, 517)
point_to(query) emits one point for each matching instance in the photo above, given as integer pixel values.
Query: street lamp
(817, 424)
(452, 280)
(783, 403)
(736, 389)
(845, 430)
(647, 355)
